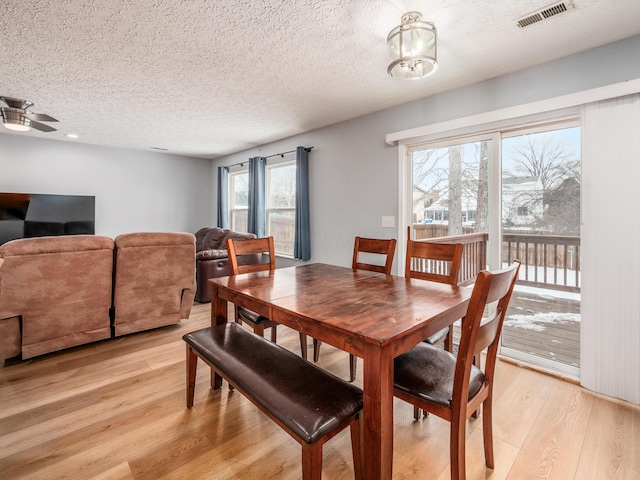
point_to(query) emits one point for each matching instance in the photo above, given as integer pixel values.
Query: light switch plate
(388, 222)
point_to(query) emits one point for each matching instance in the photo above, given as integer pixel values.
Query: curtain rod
(307, 149)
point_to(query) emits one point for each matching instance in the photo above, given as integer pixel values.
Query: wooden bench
(309, 403)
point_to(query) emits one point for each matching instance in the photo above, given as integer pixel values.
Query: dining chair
(437, 262)
(451, 387)
(265, 245)
(376, 246)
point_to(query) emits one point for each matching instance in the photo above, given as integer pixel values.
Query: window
(281, 205)
(280, 180)
(238, 200)
(523, 211)
(450, 194)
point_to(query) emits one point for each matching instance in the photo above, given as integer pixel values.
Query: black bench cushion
(308, 400)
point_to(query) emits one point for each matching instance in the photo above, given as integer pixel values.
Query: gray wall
(354, 173)
(134, 190)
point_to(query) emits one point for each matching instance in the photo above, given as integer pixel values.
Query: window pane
(282, 187)
(541, 182)
(281, 202)
(541, 228)
(239, 220)
(239, 190)
(238, 201)
(281, 225)
(450, 190)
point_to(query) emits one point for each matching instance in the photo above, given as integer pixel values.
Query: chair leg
(353, 360)
(316, 349)
(192, 365)
(457, 446)
(303, 345)
(356, 447)
(487, 431)
(476, 362)
(448, 341)
(416, 412)
(312, 461)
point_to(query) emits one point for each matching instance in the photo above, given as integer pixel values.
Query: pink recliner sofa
(154, 282)
(55, 293)
(59, 292)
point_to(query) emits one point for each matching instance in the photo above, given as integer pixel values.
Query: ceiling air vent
(544, 13)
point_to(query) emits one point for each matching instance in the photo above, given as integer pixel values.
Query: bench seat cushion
(308, 400)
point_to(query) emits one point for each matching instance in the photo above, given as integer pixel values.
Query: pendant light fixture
(412, 48)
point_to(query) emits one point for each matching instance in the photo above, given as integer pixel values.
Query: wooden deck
(543, 326)
(551, 330)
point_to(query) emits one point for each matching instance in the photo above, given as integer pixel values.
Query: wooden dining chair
(262, 246)
(385, 247)
(437, 262)
(451, 387)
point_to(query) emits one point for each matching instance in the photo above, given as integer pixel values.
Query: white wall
(134, 190)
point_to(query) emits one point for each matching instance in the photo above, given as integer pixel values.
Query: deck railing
(548, 261)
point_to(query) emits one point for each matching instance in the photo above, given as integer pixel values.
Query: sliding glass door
(522, 188)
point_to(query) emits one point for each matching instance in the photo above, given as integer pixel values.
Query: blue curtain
(257, 196)
(302, 242)
(223, 197)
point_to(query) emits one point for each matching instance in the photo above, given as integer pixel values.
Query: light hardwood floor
(116, 410)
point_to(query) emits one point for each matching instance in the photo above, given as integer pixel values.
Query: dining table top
(374, 307)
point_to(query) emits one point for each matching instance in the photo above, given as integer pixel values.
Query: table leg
(218, 317)
(378, 413)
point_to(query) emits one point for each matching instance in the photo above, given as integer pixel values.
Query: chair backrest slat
(438, 262)
(237, 248)
(385, 247)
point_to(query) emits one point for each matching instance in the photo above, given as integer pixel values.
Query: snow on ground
(537, 321)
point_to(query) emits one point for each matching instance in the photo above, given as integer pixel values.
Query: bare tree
(455, 190)
(541, 156)
(427, 164)
(482, 191)
(548, 159)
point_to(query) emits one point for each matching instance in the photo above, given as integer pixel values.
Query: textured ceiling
(206, 78)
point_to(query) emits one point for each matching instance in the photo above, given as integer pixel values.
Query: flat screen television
(25, 215)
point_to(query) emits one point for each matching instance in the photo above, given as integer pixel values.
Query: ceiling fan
(16, 117)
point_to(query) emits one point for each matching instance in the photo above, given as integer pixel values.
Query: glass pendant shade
(412, 48)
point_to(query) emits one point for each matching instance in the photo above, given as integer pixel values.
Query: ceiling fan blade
(39, 117)
(42, 127)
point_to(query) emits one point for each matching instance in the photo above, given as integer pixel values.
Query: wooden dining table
(372, 315)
